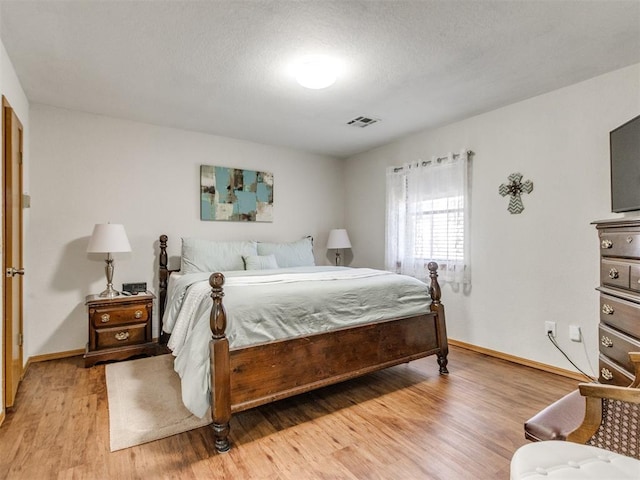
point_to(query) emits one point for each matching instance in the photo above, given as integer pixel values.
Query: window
(440, 229)
(427, 218)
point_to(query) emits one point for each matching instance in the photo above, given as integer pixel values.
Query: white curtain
(428, 218)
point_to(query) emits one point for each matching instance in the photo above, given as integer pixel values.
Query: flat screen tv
(625, 166)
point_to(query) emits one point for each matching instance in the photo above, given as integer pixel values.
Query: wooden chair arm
(591, 422)
(614, 392)
(594, 393)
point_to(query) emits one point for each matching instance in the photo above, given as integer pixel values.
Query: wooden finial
(434, 288)
(163, 252)
(218, 318)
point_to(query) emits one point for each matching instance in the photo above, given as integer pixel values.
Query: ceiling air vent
(362, 121)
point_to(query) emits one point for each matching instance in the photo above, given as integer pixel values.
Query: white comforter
(269, 305)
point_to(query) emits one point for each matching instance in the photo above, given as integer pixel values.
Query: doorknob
(12, 272)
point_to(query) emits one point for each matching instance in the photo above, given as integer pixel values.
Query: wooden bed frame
(243, 378)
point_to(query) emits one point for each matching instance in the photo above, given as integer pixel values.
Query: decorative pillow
(293, 254)
(200, 255)
(260, 262)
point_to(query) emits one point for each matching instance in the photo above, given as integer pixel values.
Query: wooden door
(12, 252)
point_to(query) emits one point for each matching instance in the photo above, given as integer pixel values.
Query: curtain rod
(438, 159)
(455, 155)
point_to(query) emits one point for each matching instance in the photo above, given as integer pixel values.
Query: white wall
(528, 268)
(11, 89)
(89, 169)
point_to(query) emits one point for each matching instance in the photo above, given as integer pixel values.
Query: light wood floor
(406, 422)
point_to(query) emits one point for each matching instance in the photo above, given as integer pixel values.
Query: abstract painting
(234, 194)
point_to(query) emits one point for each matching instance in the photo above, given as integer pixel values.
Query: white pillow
(293, 254)
(200, 255)
(260, 262)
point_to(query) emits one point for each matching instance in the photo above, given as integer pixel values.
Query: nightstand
(119, 327)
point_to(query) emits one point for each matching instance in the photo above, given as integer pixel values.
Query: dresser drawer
(616, 346)
(620, 314)
(614, 273)
(634, 277)
(620, 244)
(117, 337)
(122, 315)
(612, 373)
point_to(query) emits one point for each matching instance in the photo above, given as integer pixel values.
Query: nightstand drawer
(109, 316)
(620, 314)
(117, 337)
(617, 345)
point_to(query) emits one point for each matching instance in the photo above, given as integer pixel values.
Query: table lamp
(338, 238)
(109, 238)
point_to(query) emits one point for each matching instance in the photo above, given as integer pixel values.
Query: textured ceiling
(221, 67)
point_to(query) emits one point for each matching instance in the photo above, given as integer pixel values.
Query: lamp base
(109, 292)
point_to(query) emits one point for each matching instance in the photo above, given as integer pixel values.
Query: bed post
(163, 275)
(436, 306)
(219, 362)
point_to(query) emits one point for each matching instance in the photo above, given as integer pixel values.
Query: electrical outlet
(550, 327)
(574, 333)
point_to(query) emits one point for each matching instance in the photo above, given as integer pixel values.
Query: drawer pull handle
(606, 244)
(613, 274)
(121, 336)
(606, 342)
(607, 309)
(105, 318)
(629, 239)
(138, 314)
(606, 374)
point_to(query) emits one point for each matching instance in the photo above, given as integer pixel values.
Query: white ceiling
(221, 66)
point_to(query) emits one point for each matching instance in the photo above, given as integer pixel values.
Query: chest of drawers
(119, 328)
(619, 331)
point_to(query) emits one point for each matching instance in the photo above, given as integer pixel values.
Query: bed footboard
(248, 377)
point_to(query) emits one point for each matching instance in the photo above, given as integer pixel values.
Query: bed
(244, 371)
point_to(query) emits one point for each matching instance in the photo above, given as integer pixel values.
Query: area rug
(145, 402)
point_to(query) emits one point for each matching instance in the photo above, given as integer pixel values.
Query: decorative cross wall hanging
(515, 188)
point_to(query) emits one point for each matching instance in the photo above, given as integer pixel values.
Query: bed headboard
(288, 254)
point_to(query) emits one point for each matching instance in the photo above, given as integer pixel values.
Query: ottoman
(567, 461)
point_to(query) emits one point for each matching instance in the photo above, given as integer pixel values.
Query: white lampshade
(108, 238)
(338, 238)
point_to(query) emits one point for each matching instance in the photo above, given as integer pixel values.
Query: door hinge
(20, 339)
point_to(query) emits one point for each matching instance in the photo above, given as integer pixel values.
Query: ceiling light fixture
(316, 72)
